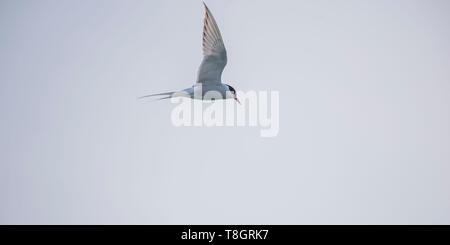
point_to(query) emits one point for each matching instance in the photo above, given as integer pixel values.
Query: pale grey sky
(364, 122)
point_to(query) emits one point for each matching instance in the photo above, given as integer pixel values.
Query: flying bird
(209, 76)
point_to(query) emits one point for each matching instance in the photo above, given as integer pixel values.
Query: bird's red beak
(235, 98)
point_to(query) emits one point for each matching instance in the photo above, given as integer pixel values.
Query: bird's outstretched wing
(214, 53)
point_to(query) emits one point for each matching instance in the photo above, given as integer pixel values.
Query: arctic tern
(209, 76)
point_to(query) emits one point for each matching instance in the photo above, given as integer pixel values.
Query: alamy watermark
(256, 109)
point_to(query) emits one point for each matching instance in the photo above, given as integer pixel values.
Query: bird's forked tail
(168, 95)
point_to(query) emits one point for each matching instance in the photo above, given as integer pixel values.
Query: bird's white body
(206, 92)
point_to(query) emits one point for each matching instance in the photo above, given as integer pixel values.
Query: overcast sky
(364, 113)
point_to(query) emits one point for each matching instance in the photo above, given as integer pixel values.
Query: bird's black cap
(232, 89)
